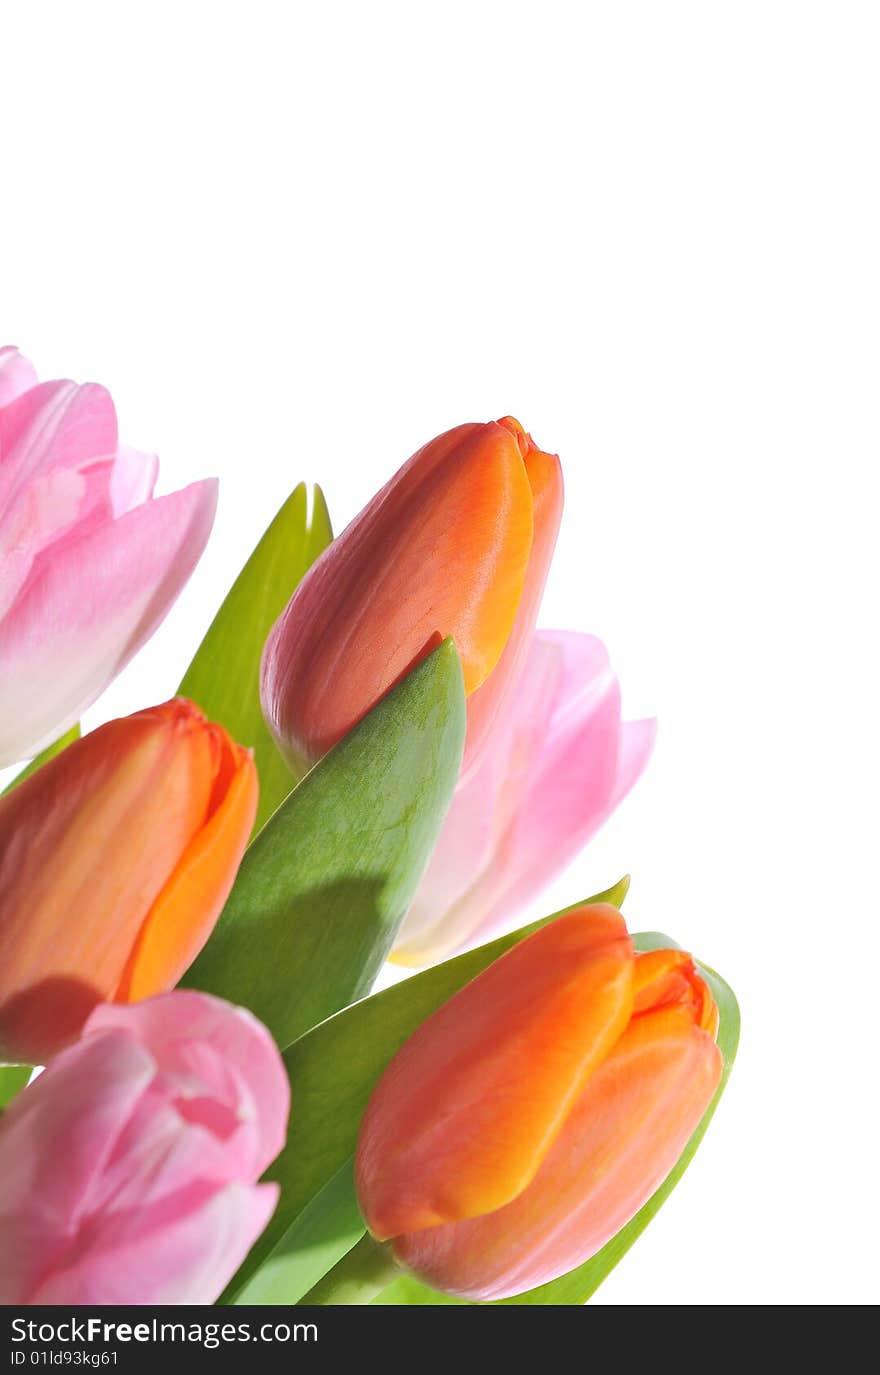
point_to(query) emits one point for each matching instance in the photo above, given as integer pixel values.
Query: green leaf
(333, 1070)
(12, 1080)
(224, 677)
(324, 887)
(43, 758)
(578, 1285)
(325, 1231)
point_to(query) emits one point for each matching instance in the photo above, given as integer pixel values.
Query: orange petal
(441, 550)
(625, 1133)
(86, 846)
(664, 978)
(466, 1111)
(545, 479)
(186, 911)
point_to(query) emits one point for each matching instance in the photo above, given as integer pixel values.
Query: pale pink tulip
(558, 762)
(128, 1169)
(89, 562)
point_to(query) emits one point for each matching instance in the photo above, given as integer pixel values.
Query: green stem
(364, 1271)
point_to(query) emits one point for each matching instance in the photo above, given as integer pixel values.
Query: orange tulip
(530, 1118)
(116, 858)
(457, 543)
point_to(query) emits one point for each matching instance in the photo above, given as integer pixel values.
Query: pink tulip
(128, 1169)
(557, 763)
(89, 563)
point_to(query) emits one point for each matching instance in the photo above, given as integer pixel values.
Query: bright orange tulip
(530, 1118)
(116, 858)
(457, 543)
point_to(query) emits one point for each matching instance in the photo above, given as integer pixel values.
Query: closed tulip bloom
(116, 858)
(129, 1168)
(89, 562)
(531, 1117)
(557, 763)
(457, 543)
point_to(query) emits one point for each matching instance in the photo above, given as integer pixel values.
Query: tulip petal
(186, 911)
(171, 1156)
(556, 1003)
(54, 506)
(636, 745)
(54, 425)
(622, 1138)
(557, 764)
(57, 443)
(17, 374)
(569, 784)
(463, 867)
(89, 608)
(41, 1203)
(186, 1261)
(439, 917)
(173, 1025)
(668, 978)
(134, 477)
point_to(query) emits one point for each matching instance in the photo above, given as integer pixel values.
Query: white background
(298, 240)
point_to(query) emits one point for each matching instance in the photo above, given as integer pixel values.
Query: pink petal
(54, 425)
(190, 1260)
(636, 744)
(84, 1101)
(17, 375)
(567, 799)
(194, 1036)
(127, 1171)
(134, 477)
(167, 1162)
(559, 762)
(88, 607)
(468, 838)
(53, 506)
(56, 447)
(482, 807)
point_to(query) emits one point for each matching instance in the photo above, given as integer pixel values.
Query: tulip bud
(116, 858)
(457, 543)
(533, 1114)
(129, 1168)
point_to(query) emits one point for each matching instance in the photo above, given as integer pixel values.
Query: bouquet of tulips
(373, 755)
